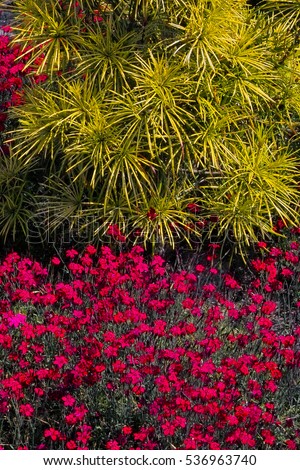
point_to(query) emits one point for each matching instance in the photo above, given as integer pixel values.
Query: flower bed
(106, 351)
(113, 352)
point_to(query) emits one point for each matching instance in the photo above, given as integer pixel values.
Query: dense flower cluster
(121, 353)
(12, 75)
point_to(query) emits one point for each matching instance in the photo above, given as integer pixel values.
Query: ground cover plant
(153, 107)
(117, 352)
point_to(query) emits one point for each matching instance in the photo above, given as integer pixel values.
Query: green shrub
(147, 101)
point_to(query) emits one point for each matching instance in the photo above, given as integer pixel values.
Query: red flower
(231, 282)
(118, 366)
(180, 421)
(6, 29)
(60, 361)
(162, 384)
(71, 253)
(232, 420)
(291, 444)
(151, 214)
(127, 430)
(200, 268)
(258, 264)
(275, 252)
(71, 445)
(26, 410)
(214, 446)
(54, 434)
(68, 400)
(287, 272)
(261, 245)
(214, 246)
(192, 207)
(209, 288)
(91, 250)
(168, 429)
(268, 307)
(269, 438)
(115, 232)
(112, 445)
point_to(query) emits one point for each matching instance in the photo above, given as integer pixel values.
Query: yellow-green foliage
(156, 95)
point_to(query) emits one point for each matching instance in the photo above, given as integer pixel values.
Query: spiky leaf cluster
(152, 106)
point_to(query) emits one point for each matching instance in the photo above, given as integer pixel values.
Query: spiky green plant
(17, 200)
(284, 12)
(106, 58)
(150, 96)
(259, 184)
(48, 32)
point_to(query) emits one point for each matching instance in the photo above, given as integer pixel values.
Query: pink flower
(209, 288)
(71, 445)
(200, 268)
(60, 361)
(16, 320)
(118, 366)
(232, 420)
(127, 430)
(275, 252)
(261, 245)
(168, 429)
(71, 253)
(26, 410)
(112, 445)
(268, 307)
(52, 433)
(269, 438)
(231, 282)
(91, 250)
(116, 233)
(68, 400)
(287, 272)
(6, 29)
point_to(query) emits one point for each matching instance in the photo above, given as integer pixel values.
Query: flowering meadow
(106, 351)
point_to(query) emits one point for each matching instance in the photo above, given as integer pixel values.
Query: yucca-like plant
(160, 104)
(164, 215)
(47, 31)
(159, 215)
(284, 12)
(246, 74)
(47, 117)
(107, 58)
(63, 202)
(163, 92)
(205, 31)
(258, 185)
(17, 201)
